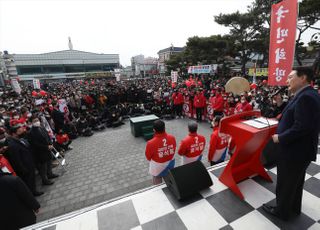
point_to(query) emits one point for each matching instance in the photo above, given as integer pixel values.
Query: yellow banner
(259, 72)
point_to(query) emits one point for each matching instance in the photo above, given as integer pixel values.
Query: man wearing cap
(192, 146)
(278, 104)
(20, 157)
(41, 145)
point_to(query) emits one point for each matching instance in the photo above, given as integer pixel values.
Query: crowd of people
(36, 121)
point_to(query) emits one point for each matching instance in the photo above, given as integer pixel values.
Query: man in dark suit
(19, 154)
(41, 145)
(297, 136)
(18, 206)
(58, 118)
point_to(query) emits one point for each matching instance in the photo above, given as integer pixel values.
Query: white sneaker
(70, 147)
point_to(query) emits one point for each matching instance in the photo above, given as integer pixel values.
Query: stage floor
(214, 208)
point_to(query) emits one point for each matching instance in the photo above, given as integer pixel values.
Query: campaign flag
(63, 107)
(117, 74)
(282, 41)
(15, 85)
(174, 76)
(46, 125)
(36, 83)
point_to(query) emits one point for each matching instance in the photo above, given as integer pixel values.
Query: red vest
(192, 145)
(161, 148)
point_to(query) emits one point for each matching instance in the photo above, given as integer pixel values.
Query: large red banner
(282, 41)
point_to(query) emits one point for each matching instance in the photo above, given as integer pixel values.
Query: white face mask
(2, 140)
(36, 124)
(16, 117)
(29, 115)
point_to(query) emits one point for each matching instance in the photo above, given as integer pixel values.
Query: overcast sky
(127, 28)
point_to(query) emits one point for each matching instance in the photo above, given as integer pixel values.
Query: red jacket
(243, 107)
(218, 104)
(161, 148)
(199, 101)
(177, 98)
(89, 100)
(62, 138)
(192, 145)
(228, 110)
(218, 145)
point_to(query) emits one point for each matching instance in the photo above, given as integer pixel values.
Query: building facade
(164, 55)
(144, 67)
(59, 65)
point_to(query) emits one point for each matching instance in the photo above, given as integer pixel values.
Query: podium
(250, 141)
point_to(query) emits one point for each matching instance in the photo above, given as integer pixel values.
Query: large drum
(237, 85)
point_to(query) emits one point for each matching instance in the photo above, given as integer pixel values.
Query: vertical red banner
(282, 41)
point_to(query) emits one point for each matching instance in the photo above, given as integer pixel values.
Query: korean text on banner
(282, 41)
(174, 76)
(36, 83)
(117, 74)
(15, 85)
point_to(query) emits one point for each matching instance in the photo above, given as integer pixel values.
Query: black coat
(19, 155)
(299, 127)
(17, 203)
(58, 119)
(39, 140)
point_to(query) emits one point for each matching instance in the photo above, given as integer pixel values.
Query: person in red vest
(178, 101)
(192, 146)
(243, 105)
(219, 143)
(160, 152)
(199, 102)
(218, 104)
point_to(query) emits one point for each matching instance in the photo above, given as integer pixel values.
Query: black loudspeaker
(187, 180)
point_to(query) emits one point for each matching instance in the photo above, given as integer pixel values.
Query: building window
(29, 70)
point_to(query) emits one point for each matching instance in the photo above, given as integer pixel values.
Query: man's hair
(304, 70)
(159, 126)
(193, 127)
(217, 119)
(13, 129)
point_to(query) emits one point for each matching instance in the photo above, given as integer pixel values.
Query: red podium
(250, 142)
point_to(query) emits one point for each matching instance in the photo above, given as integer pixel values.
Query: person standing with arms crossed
(297, 136)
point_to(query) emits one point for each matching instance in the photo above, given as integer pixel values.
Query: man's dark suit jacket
(17, 203)
(299, 127)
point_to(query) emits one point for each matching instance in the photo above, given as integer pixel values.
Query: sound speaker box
(187, 180)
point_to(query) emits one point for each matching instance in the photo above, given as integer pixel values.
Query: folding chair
(55, 153)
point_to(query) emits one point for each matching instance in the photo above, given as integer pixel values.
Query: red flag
(282, 41)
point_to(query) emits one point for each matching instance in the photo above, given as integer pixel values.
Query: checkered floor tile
(213, 208)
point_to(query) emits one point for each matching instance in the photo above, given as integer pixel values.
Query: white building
(144, 67)
(60, 64)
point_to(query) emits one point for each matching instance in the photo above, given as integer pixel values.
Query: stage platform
(214, 208)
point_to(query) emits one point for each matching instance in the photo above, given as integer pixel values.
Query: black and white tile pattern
(214, 208)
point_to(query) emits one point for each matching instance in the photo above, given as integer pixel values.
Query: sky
(123, 27)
